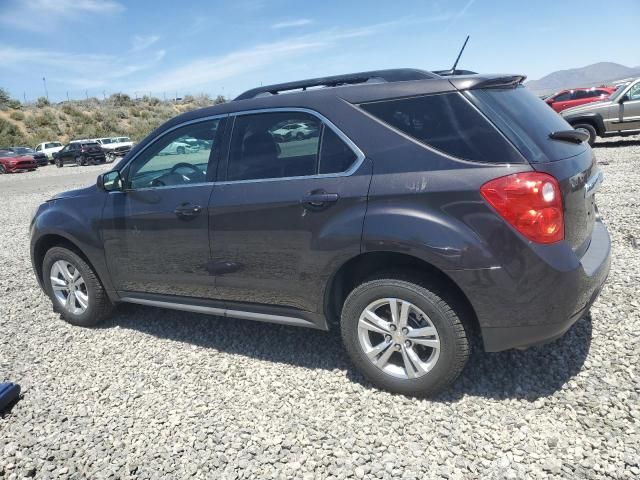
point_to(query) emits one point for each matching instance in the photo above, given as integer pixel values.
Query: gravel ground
(166, 394)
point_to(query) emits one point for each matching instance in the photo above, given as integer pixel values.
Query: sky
(169, 47)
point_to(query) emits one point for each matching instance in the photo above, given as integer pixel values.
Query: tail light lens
(531, 202)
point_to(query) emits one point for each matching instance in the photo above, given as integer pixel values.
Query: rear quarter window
(527, 121)
(448, 123)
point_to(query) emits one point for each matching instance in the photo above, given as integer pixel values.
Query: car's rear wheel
(589, 130)
(180, 150)
(2, 170)
(404, 336)
(59, 163)
(74, 288)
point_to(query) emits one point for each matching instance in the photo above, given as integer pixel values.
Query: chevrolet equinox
(414, 210)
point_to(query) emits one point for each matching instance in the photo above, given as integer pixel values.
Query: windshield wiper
(573, 136)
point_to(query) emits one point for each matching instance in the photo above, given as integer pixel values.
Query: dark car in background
(11, 162)
(417, 210)
(40, 158)
(80, 153)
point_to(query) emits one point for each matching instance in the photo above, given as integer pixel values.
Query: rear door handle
(187, 210)
(319, 199)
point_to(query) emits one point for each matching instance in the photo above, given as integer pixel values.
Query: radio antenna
(453, 69)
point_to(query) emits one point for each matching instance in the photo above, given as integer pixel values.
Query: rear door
(288, 210)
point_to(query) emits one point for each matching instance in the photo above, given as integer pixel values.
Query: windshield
(23, 150)
(90, 144)
(7, 153)
(615, 95)
(123, 139)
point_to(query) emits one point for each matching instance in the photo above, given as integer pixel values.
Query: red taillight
(531, 202)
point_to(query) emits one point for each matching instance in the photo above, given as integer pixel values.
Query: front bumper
(543, 304)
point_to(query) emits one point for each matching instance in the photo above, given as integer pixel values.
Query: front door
(288, 211)
(629, 110)
(155, 232)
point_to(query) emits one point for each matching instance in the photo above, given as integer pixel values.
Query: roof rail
(394, 75)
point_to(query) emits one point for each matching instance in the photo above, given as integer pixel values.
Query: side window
(446, 122)
(581, 94)
(274, 145)
(563, 97)
(335, 155)
(634, 92)
(38, 148)
(180, 157)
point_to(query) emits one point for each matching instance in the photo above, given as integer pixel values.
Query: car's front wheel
(2, 170)
(404, 336)
(74, 288)
(589, 130)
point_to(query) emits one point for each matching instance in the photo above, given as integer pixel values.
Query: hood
(80, 192)
(587, 107)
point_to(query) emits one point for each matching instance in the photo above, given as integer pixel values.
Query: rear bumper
(540, 305)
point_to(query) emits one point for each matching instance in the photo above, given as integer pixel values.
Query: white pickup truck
(115, 146)
(49, 148)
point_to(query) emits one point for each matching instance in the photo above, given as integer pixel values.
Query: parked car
(11, 162)
(114, 147)
(80, 152)
(618, 115)
(424, 211)
(49, 148)
(40, 158)
(185, 145)
(578, 96)
(298, 131)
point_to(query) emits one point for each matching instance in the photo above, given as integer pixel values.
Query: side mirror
(110, 181)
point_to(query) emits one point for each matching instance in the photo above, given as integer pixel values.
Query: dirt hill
(118, 115)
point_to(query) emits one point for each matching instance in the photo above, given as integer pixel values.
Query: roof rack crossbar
(395, 75)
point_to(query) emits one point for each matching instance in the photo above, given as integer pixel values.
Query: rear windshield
(449, 123)
(90, 144)
(527, 121)
(52, 145)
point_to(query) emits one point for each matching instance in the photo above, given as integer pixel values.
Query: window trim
(360, 156)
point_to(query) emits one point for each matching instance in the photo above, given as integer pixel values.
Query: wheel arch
(593, 119)
(357, 269)
(47, 241)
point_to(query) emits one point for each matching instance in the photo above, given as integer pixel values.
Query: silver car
(618, 115)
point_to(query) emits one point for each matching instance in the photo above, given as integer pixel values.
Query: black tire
(589, 129)
(80, 161)
(51, 162)
(444, 313)
(300, 136)
(2, 170)
(180, 150)
(59, 163)
(99, 308)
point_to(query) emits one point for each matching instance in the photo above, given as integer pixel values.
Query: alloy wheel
(398, 338)
(69, 288)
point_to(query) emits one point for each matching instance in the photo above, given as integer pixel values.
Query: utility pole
(164, 94)
(104, 95)
(67, 95)
(24, 95)
(86, 94)
(46, 93)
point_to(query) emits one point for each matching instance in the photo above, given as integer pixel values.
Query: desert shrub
(17, 115)
(120, 99)
(10, 134)
(42, 102)
(219, 99)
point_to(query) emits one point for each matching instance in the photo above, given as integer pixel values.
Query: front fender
(594, 119)
(76, 221)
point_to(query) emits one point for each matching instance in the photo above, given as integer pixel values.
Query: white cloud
(77, 70)
(142, 42)
(292, 23)
(19, 13)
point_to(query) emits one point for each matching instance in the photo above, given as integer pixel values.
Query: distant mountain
(591, 75)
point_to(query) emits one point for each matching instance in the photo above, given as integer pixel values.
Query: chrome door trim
(261, 317)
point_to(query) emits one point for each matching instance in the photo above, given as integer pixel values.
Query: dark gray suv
(414, 210)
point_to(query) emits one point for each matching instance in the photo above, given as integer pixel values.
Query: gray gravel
(166, 394)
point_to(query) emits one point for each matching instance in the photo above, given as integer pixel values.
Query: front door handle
(319, 199)
(186, 210)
